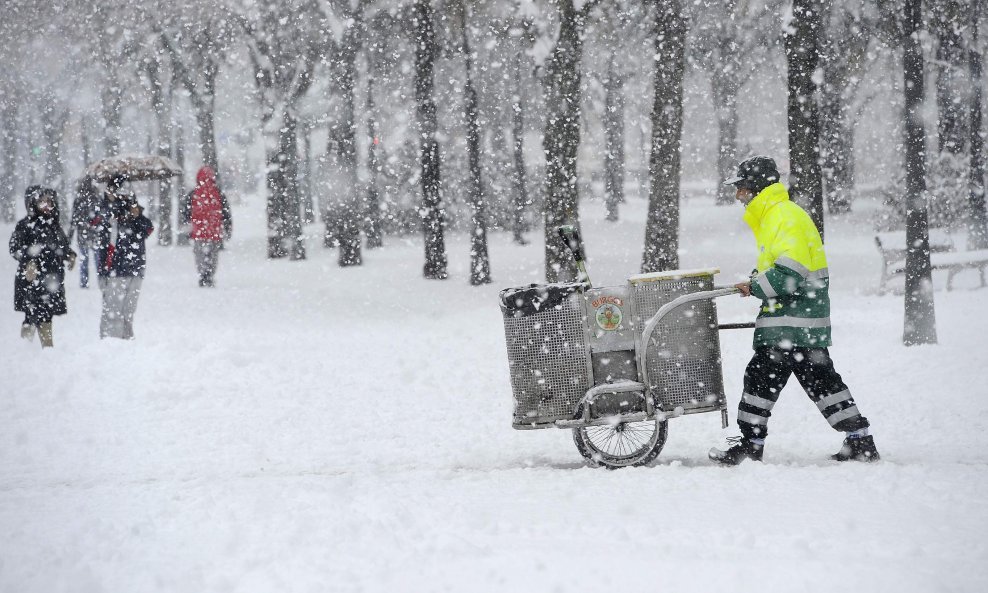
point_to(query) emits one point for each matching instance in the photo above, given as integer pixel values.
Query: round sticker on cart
(609, 316)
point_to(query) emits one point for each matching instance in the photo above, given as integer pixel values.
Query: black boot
(739, 450)
(860, 449)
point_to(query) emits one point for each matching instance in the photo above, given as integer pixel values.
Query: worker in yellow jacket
(792, 331)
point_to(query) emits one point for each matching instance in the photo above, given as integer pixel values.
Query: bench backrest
(895, 241)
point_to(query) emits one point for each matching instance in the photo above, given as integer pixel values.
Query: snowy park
(312, 428)
(449, 295)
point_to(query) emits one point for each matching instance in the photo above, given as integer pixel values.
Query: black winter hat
(755, 173)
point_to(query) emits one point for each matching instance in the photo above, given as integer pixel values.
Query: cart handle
(667, 308)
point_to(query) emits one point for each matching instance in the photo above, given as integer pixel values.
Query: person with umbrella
(126, 263)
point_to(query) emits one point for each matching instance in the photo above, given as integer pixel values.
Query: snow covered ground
(303, 427)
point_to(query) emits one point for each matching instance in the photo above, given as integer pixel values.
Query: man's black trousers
(768, 372)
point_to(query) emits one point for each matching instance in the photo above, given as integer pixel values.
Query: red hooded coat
(207, 208)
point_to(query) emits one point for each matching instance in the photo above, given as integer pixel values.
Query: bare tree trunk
(951, 124)
(803, 56)
(520, 194)
(205, 123)
(85, 141)
(920, 318)
(161, 105)
(372, 212)
(725, 94)
(305, 176)
(434, 219)
(284, 217)
(112, 96)
(613, 120)
(350, 214)
(561, 140)
(837, 140)
(182, 238)
(480, 265)
(53, 122)
(977, 234)
(844, 45)
(8, 154)
(662, 226)
(725, 82)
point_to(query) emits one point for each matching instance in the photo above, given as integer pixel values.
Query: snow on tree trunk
(434, 217)
(520, 193)
(950, 87)
(561, 140)
(350, 212)
(205, 124)
(845, 43)
(803, 56)
(725, 82)
(161, 105)
(480, 266)
(662, 226)
(613, 121)
(977, 234)
(284, 216)
(8, 154)
(112, 96)
(920, 319)
(372, 206)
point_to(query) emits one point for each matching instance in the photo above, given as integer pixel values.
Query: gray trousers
(119, 305)
(207, 255)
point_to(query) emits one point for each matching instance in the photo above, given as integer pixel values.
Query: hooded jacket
(39, 239)
(792, 279)
(210, 213)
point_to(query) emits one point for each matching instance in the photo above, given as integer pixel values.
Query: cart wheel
(623, 444)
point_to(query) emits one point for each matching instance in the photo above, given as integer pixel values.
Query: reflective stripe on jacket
(792, 281)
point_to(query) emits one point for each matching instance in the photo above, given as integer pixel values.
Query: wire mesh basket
(565, 339)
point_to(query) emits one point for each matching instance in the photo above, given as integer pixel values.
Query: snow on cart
(615, 363)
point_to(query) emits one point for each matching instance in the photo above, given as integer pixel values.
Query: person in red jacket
(211, 223)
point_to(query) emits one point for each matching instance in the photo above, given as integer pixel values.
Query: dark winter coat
(129, 256)
(41, 240)
(102, 227)
(84, 212)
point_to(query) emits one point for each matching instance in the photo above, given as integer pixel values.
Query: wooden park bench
(892, 246)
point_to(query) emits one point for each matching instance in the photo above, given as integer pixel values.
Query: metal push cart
(615, 363)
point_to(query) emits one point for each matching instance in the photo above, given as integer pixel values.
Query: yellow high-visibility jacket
(792, 278)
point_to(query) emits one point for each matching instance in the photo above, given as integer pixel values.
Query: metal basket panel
(549, 361)
(684, 358)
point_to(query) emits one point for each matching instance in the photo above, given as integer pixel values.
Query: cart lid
(529, 300)
(672, 275)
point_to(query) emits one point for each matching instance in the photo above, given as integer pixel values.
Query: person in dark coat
(127, 263)
(103, 225)
(84, 223)
(42, 250)
(211, 223)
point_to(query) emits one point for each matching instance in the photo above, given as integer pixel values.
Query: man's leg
(84, 264)
(130, 306)
(111, 323)
(766, 375)
(198, 249)
(815, 371)
(211, 260)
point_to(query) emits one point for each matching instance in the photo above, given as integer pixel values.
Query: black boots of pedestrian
(859, 449)
(739, 450)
